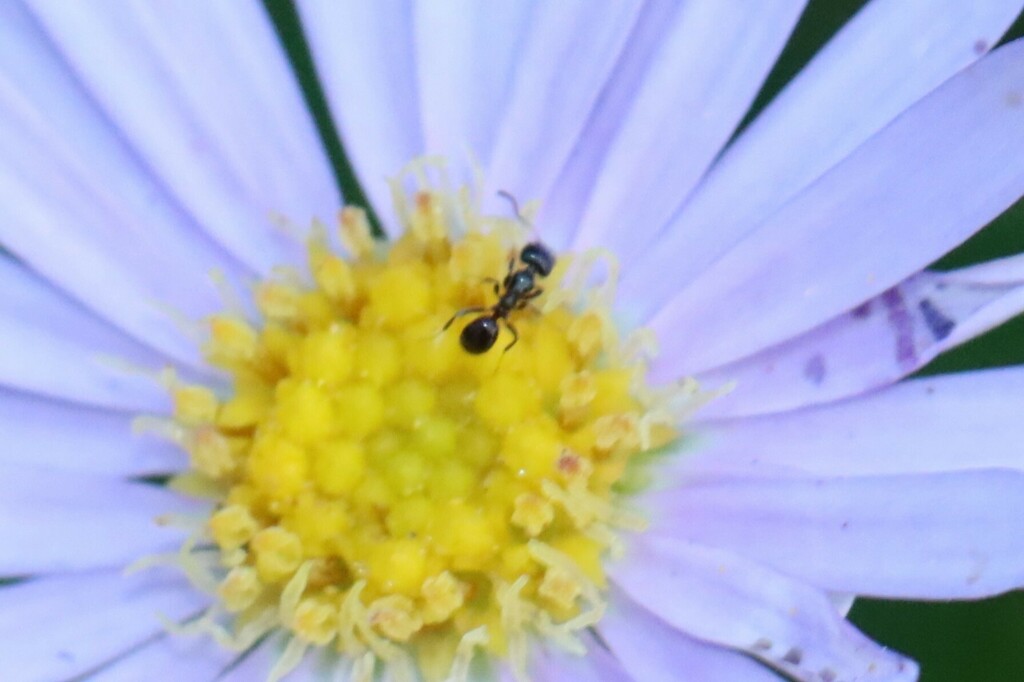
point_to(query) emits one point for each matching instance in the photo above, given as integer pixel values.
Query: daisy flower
(639, 419)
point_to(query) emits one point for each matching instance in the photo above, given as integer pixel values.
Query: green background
(963, 641)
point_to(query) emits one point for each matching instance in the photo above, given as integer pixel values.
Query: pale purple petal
(60, 627)
(695, 91)
(255, 663)
(960, 422)
(182, 659)
(204, 94)
(722, 598)
(317, 665)
(365, 57)
(922, 536)
(466, 55)
(928, 180)
(653, 651)
(561, 211)
(550, 664)
(570, 50)
(50, 346)
(889, 55)
(55, 435)
(875, 344)
(123, 247)
(55, 521)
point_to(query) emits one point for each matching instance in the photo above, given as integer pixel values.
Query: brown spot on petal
(1014, 99)
(980, 46)
(793, 656)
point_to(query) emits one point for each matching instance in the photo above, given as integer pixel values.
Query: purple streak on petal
(872, 345)
(653, 651)
(902, 325)
(60, 627)
(931, 536)
(813, 124)
(725, 599)
(915, 190)
(938, 323)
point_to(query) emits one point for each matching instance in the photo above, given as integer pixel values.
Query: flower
(791, 265)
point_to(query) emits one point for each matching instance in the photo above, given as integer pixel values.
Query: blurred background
(954, 642)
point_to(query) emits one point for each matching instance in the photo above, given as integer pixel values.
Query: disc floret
(387, 494)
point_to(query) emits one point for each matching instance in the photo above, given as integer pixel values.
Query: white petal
(176, 658)
(697, 88)
(875, 344)
(960, 422)
(53, 435)
(50, 346)
(60, 627)
(909, 194)
(204, 93)
(55, 521)
(721, 598)
(466, 54)
(889, 55)
(571, 48)
(365, 56)
(930, 536)
(653, 651)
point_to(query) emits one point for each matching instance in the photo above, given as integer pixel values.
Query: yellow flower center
(385, 492)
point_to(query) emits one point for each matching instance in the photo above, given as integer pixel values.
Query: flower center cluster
(387, 493)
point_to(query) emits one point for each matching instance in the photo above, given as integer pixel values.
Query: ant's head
(537, 257)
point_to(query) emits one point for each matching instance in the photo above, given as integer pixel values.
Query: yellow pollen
(194, 405)
(560, 588)
(388, 494)
(532, 513)
(396, 617)
(442, 596)
(240, 588)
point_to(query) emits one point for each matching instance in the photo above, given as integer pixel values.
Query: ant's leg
(461, 313)
(511, 269)
(496, 283)
(515, 335)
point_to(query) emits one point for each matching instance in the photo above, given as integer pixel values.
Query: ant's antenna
(515, 206)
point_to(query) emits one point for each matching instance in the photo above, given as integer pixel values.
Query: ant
(520, 287)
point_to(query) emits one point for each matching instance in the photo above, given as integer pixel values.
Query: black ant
(520, 287)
